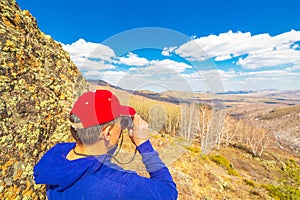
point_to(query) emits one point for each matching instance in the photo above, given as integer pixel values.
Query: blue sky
(198, 45)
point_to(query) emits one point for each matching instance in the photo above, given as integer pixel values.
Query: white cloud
(293, 68)
(278, 74)
(112, 77)
(260, 50)
(142, 71)
(270, 58)
(215, 80)
(81, 48)
(161, 75)
(287, 38)
(91, 65)
(167, 51)
(93, 75)
(90, 57)
(166, 66)
(133, 60)
(222, 57)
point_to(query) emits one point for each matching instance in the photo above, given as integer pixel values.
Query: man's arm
(161, 181)
(154, 165)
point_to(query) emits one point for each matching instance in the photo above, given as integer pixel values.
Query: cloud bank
(259, 51)
(240, 60)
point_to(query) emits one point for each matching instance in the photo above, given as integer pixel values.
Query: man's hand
(140, 132)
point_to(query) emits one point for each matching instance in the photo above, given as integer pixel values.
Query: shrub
(221, 160)
(195, 150)
(249, 182)
(283, 192)
(291, 170)
(289, 188)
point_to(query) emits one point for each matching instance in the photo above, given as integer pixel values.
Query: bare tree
(189, 120)
(217, 126)
(157, 117)
(203, 121)
(205, 129)
(238, 131)
(258, 139)
(228, 130)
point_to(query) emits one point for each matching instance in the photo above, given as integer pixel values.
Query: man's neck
(93, 149)
(81, 151)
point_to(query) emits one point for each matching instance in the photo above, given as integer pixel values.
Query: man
(83, 170)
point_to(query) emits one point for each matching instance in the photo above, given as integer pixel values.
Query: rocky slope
(38, 85)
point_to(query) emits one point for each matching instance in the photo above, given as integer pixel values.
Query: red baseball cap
(98, 107)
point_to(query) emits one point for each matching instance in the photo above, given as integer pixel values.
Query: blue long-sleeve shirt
(98, 178)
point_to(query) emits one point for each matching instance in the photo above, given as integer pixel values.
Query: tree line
(211, 128)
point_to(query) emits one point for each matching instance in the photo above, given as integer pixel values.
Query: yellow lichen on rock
(37, 81)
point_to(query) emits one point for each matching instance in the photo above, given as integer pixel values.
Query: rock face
(38, 85)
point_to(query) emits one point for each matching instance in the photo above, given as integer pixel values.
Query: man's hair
(88, 135)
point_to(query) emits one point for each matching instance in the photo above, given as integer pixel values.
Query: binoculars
(126, 122)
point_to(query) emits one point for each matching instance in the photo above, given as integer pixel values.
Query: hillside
(38, 85)
(282, 120)
(232, 172)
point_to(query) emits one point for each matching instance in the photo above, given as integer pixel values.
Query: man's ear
(106, 132)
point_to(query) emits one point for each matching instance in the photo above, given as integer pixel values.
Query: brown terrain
(232, 171)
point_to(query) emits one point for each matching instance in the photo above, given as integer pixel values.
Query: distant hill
(285, 124)
(229, 98)
(102, 83)
(238, 92)
(145, 93)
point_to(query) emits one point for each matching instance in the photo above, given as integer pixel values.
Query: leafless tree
(189, 121)
(157, 117)
(217, 127)
(258, 139)
(228, 130)
(203, 121)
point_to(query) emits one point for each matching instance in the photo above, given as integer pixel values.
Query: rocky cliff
(38, 85)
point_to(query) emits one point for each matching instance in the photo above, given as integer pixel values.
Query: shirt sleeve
(157, 169)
